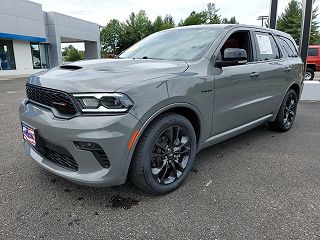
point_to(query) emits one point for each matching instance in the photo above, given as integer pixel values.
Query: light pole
(305, 29)
(263, 18)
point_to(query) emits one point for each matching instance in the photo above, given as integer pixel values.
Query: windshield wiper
(145, 57)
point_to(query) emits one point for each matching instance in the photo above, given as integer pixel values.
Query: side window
(291, 46)
(267, 47)
(239, 39)
(288, 51)
(314, 52)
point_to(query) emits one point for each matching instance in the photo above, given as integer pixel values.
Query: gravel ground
(259, 185)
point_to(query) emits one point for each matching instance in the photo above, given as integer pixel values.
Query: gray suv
(145, 115)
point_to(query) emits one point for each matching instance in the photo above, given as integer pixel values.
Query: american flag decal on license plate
(28, 135)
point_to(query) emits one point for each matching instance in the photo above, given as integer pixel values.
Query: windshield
(178, 44)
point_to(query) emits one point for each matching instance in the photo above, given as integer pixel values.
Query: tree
(208, 16)
(194, 19)
(290, 22)
(168, 22)
(137, 27)
(231, 21)
(212, 14)
(117, 36)
(160, 24)
(157, 24)
(143, 25)
(111, 37)
(71, 54)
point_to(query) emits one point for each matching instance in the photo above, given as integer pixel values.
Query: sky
(101, 11)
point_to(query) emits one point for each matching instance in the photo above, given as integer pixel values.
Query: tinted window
(40, 55)
(7, 61)
(288, 51)
(239, 39)
(313, 52)
(288, 47)
(177, 44)
(267, 47)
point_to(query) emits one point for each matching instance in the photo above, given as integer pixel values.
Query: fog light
(97, 151)
(88, 146)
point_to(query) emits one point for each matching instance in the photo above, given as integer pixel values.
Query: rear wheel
(287, 112)
(165, 154)
(309, 74)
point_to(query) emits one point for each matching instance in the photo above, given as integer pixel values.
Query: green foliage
(115, 37)
(231, 21)
(195, 19)
(212, 16)
(71, 54)
(168, 22)
(162, 24)
(208, 16)
(111, 36)
(290, 22)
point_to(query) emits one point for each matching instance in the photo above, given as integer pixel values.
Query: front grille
(60, 101)
(57, 155)
(61, 159)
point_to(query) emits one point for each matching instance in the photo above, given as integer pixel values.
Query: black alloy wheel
(290, 110)
(287, 112)
(164, 155)
(170, 154)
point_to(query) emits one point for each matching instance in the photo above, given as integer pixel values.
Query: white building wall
(22, 17)
(22, 55)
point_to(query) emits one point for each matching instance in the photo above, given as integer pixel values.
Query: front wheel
(287, 112)
(164, 155)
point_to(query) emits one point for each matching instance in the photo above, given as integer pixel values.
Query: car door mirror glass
(232, 57)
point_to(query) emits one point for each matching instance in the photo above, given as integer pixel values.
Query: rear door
(290, 50)
(276, 71)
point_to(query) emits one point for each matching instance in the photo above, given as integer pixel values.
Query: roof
(226, 26)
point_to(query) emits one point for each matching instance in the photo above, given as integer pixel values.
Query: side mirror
(233, 57)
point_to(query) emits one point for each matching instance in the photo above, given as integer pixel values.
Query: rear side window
(267, 47)
(314, 52)
(288, 47)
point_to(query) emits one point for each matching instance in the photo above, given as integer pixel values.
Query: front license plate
(28, 134)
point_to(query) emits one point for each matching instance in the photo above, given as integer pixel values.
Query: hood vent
(70, 67)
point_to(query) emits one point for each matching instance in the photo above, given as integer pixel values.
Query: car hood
(105, 75)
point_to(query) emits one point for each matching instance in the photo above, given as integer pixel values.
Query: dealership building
(30, 39)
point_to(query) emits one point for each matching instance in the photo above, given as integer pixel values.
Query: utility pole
(273, 14)
(305, 29)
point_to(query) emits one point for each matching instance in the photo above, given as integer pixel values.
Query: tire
(160, 165)
(287, 113)
(309, 74)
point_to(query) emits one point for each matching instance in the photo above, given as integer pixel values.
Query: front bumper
(112, 133)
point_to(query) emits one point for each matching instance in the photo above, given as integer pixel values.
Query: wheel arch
(294, 86)
(312, 66)
(185, 109)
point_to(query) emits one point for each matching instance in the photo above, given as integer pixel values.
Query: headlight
(104, 102)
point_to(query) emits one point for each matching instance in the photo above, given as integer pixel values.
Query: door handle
(254, 74)
(287, 69)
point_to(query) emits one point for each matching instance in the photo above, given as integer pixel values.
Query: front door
(237, 88)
